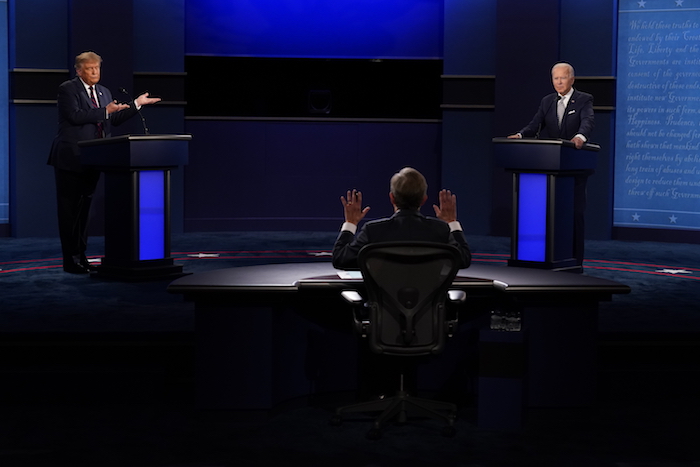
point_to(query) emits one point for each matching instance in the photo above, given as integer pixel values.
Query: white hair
(564, 64)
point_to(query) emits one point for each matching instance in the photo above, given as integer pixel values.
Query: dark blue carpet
(38, 296)
(100, 373)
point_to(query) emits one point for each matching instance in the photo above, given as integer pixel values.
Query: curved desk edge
(293, 277)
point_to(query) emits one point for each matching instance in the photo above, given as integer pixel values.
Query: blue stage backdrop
(316, 28)
(657, 157)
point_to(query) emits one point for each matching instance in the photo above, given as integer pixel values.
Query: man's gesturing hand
(353, 207)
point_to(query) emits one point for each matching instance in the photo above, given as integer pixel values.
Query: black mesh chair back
(407, 285)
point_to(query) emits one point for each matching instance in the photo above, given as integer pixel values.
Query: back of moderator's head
(409, 188)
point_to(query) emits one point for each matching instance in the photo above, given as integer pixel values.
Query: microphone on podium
(143, 120)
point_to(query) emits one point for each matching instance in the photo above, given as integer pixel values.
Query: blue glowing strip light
(532, 217)
(326, 29)
(151, 214)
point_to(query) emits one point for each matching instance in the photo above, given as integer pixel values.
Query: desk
(269, 333)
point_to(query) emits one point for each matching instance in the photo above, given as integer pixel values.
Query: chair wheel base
(374, 434)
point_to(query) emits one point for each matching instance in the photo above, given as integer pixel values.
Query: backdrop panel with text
(657, 157)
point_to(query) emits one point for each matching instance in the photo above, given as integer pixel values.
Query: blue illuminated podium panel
(137, 202)
(547, 194)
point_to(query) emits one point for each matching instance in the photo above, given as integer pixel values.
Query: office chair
(405, 315)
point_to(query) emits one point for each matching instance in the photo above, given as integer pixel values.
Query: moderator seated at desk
(270, 333)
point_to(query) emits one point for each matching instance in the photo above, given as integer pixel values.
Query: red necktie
(100, 133)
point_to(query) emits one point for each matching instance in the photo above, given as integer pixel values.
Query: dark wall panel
(159, 35)
(467, 166)
(39, 33)
(588, 36)
(287, 87)
(33, 195)
(468, 106)
(470, 37)
(290, 175)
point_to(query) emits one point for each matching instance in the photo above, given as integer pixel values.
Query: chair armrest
(352, 297)
(454, 297)
(360, 315)
(457, 296)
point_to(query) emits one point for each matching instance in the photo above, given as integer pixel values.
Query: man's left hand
(143, 99)
(578, 142)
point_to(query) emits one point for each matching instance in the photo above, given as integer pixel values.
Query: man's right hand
(115, 107)
(353, 207)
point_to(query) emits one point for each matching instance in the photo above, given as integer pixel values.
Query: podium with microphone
(137, 202)
(548, 195)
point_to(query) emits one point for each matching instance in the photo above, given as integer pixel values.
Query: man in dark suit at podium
(408, 193)
(566, 114)
(86, 110)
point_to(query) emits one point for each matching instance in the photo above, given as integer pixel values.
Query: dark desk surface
(293, 277)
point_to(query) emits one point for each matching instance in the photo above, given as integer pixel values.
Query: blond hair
(86, 57)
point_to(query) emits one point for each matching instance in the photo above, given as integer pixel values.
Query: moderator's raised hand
(447, 210)
(352, 204)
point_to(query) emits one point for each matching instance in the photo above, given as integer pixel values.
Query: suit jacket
(77, 121)
(578, 118)
(404, 225)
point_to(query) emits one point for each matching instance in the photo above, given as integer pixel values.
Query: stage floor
(37, 296)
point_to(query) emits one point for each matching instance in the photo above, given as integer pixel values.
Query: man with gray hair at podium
(86, 110)
(408, 192)
(565, 114)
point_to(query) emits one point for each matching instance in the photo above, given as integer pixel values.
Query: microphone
(143, 120)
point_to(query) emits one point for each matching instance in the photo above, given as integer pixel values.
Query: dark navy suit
(381, 372)
(578, 118)
(404, 225)
(75, 185)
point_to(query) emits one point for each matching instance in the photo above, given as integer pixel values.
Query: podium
(549, 197)
(137, 202)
